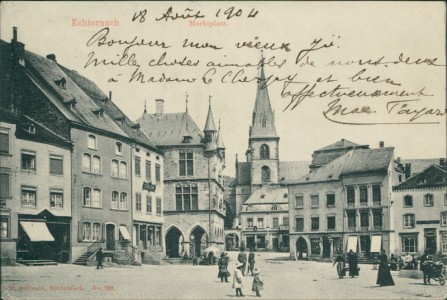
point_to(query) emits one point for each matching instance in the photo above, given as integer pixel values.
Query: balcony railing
(377, 203)
(377, 227)
(351, 228)
(364, 228)
(363, 203)
(350, 204)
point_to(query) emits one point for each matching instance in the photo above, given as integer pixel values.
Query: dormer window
(120, 119)
(30, 128)
(187, 139)
(135, 126)
(98, 112)
(61, 83)
(262, 196)
(70, 103)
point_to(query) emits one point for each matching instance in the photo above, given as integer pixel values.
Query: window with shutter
(56, 165)
(4, 141)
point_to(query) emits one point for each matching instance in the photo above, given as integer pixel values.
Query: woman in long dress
(340, 261)
(384, 277)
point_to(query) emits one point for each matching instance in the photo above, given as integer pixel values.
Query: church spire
(220, 143)
(263, 122)
(210, 125)
(210, 130)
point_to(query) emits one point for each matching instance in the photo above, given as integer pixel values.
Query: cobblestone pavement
(283, 279)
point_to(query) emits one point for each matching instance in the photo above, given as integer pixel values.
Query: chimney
(52, 57)
(18, 49)
(398, 160)
(110, 95)
(14, 34)
(159, 103)
(407, 170)
(381, 144)
(442, 162)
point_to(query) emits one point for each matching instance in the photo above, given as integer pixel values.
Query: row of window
(92, 164)
(363, 194)
(428, 200)
(139, 204)
(260, 222)
(29, 197)
(409, 243)
(28, 159)
(315, 200)
(364, 219)
(409, 220)
(92, 144)
(315, 223)
(149, 234)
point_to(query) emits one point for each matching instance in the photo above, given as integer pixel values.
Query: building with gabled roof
(343, 205)
(194, 210)
(419, 212)
(262, 174)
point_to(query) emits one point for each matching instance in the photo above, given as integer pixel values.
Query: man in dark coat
(242, 258)
(352, 259)
(251, 261)
(424, 258)
(99, 258)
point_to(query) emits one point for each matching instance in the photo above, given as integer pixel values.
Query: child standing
(258, 284)
(237, 279)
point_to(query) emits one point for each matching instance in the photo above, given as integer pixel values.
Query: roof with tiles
(268, 195)
(103, 101)
(62, 90)
(170, 129)
(432, 176)
(357, 161)
(419, 165)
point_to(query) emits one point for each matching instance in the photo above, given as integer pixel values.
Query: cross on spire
(145, 111)
(209, 99)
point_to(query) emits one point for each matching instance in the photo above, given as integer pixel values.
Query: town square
(204, 150)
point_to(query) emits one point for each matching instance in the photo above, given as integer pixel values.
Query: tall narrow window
(264, 152)
(264, 122)
(363, 195)
(148, 170)
(118, 148)
(158, 173)
(87, 200)
(376, 194)
(299, 201)
(148, 204)
(352, 220)
(86, 162)
(265, 174)
(428, 200)
(186, 163)
(158, 206)
(4, 185)
(330, 199)
(137, 166)
(4, 227)
(331, 223)
(364, 220)
(408, 201)
(123, 201)
(56, 165)
(87, 231)
(96, 199)
(186, 196)
(138, 201)
(4, 141)
(115, 171)
(96, 232)
(96, 165)
(315, 223)
(409, 221)
(91, 143)
(350, 196)
(123, 170)
(314, 201)
(115, 196)
(299, 224)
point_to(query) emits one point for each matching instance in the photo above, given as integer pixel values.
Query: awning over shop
(124, 232)
(376, 243)
(352, 243)
(37, 231)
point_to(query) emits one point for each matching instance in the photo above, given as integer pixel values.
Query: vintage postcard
(211, 150)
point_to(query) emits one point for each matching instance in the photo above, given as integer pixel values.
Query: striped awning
(37, 231)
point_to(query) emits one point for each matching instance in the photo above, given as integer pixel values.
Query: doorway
(174, 239)
(430, 240)
(110, 236)
(326, 247)
(301, 248)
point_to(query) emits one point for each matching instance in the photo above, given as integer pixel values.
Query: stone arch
(198, 240)
(174, 242)
(265, 174)
(231, 241)
(264, 152)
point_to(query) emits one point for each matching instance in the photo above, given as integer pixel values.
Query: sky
(404, 43)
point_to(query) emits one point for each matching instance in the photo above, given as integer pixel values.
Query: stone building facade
(193, 179)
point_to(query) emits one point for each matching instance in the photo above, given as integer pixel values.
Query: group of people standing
(384, 277)
(239, 272)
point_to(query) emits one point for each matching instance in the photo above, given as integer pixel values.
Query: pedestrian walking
(223, 268)
(258, 283)
(99, 258)
(251, 261)
(384, 277)
(237, 280)
(340, 261)
(424, 263)
(242, 258)
(353, 264)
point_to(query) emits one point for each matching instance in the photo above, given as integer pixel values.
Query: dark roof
(355, 162)
(169, 129)
(103, 101)
(433, 176)
(268, 195)
(368, 161)
(209, 124)
(45, 73)
(326, 154)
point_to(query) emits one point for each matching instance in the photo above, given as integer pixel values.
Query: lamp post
(209, 200)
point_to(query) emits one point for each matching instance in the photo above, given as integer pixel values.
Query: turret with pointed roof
(210, 130)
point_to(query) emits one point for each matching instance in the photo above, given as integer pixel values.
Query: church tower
(263, 150)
